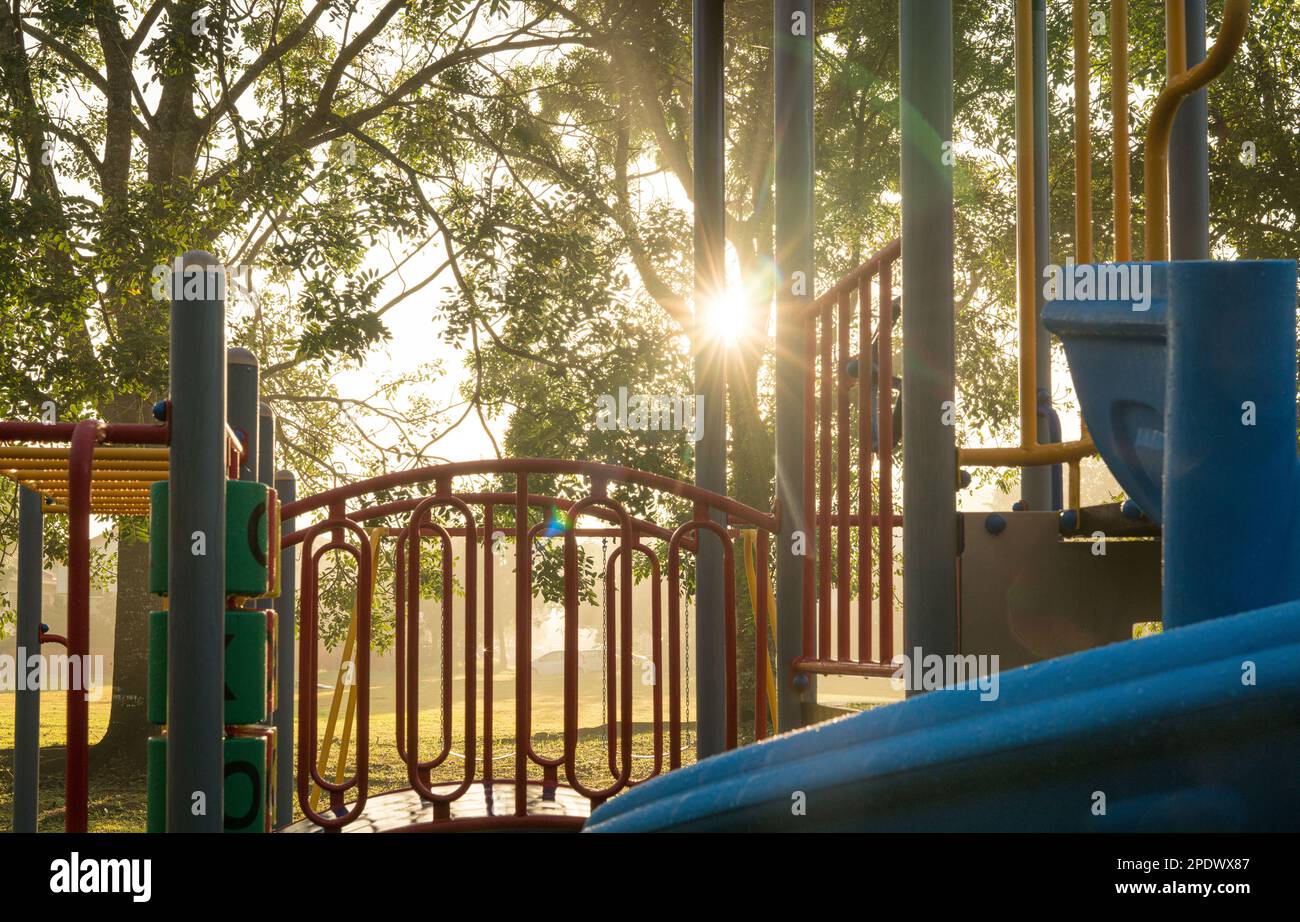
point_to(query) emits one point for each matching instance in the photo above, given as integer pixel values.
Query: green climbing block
(156, 784)
(157, 696)
(250, 666)
(158, 538)
(248, 792)
(247, 538)
(250, 780)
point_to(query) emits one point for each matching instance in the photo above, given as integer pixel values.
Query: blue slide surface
(1197, 729)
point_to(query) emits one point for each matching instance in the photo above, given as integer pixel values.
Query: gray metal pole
(27, 704)
(196, 632)
(793, 204)
(285, 612)
(1189, 157)
(710, 383)
(929, 439)
(241, 404)
(265, 444)
(1036, 482)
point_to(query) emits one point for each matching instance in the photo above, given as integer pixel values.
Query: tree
(277, 134)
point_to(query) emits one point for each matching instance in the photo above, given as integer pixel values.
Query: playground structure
(1186, 743)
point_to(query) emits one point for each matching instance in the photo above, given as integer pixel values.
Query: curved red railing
(419, 517)
(472, 517)
(308, 652)
(838, 461)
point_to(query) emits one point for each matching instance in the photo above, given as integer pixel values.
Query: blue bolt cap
(160, 411)
(1131, 510)
(801, 681)
(963, 477)
(995, 524)
(1020, 506)
(1069, 520)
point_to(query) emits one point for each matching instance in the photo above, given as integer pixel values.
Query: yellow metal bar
(10, 465)
(145, 477)
(1074, 486)
(95, 509)
(1051, 453)
(1175, 38)
(100, 487)
(102, 453)
(1082, 135)
(1026, 279)
(343, 686)
(1236, 17)
(1082, 143)
(1119, 129)
(749, 544)
(128, 491)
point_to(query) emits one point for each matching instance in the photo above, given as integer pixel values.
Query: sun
(730, 316)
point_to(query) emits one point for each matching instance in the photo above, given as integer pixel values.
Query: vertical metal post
(1036, 482)
(793, 204)
(1189, 156)
(27, 703)
(710, 382)
(197, 548)
(241, 404)
(265, 444)
(285, 612)
(929, 441)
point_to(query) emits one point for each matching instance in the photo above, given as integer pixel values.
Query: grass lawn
(117, 792)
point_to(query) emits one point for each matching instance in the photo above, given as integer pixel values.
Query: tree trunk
(752, 471)
(128, 724)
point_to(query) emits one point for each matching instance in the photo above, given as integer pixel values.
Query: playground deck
(482, 806)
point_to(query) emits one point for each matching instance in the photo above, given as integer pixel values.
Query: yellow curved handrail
(1120, 205)
(749, 550)
(1029, 453)
(1236, 16)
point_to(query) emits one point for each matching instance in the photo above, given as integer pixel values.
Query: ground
(117, 795)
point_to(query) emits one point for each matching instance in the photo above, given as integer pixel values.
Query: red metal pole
(761, 658)
(77, 780)
(656, 634)
(674, 660)
(489, 664)
(809, 481)
(109, 433)
(865, 424)
(842, 440)
(399, 639)
(823, 506)
(885, 403)
(523, 643)
(611, 630)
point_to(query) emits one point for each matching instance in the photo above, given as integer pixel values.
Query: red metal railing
(473, 520)
(82, 438)
(308, 652)
(840, 473)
